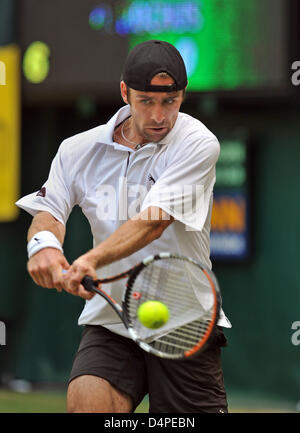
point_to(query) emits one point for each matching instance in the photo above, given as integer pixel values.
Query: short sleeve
(56, 195)
(185, 187)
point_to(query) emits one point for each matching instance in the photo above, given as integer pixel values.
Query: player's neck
(122, 136)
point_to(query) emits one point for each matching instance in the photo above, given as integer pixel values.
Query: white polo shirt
(111, 183)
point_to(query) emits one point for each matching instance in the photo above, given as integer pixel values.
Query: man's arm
(45, 221)
(45, 267)
(132, 236)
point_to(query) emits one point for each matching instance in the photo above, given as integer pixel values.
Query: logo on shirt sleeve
(42, 192)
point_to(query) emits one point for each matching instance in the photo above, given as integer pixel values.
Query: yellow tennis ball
(153, 314)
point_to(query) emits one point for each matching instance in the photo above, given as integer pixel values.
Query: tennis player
(132, 177)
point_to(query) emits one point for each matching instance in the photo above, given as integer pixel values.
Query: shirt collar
(107, 132)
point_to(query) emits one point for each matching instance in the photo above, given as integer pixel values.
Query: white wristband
(40, 240)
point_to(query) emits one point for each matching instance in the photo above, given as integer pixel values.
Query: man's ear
(123, 89)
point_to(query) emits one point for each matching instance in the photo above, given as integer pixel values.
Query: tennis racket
(186, 287)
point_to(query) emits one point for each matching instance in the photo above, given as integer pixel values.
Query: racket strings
(180, 338)
(173, 299)
(186, 291)
(168, 287)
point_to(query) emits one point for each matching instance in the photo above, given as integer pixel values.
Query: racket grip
(88, 283)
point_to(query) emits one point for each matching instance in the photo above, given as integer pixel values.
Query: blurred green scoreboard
(228, 45)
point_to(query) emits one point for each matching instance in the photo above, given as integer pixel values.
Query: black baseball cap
(149, 58)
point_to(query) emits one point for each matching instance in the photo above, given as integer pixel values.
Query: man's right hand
(46, 266)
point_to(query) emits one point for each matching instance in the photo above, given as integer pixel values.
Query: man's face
(153, 113)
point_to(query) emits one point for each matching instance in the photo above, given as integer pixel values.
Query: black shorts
(186, 386)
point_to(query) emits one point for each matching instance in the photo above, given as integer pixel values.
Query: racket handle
(88, 283)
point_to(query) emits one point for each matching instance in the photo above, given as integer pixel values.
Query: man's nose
(158, 114)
